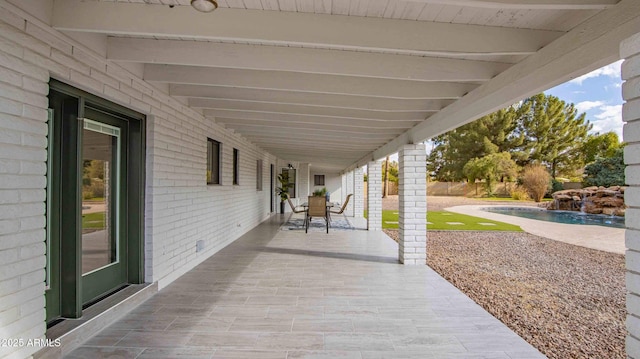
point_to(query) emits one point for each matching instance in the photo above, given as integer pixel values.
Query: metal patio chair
(317, 208)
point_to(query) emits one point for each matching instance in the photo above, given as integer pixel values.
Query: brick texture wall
(180, 207)
(412, 198)
(349, 211)
(374, 196)
(358, 192)
(630, 51)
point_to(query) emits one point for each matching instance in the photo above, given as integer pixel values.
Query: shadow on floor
(348, 256)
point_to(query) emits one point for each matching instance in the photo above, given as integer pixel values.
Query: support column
(374, 196)
(412, 196)
(349, 210)
(630, 50)
(358, 192)
(343, 187)
(303, 181)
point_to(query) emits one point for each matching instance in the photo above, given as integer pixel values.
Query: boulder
(562, 197)
(606, 193)
(592, 208)
(619, 212)
(593, 200)
(608, 201)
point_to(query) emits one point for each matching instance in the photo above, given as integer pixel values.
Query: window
(318, 180)
(259, 175)
(213, 161)
(236, 166)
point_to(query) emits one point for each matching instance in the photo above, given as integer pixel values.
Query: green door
(95, 200)
(103, 215)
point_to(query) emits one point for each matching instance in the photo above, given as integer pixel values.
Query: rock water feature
(592, 200)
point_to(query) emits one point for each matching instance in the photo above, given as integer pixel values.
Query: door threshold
(74, 332)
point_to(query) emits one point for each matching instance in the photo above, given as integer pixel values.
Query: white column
(349, 189)
(303, 182)
(630, 50)
(374, 196)
(343, 187)
(412, 195)
(358, 192)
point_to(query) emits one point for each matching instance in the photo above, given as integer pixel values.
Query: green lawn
(93, 220)
(443, 220)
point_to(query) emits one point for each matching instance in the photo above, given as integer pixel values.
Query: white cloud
(609, 118)
(588, 105)
(612, 70)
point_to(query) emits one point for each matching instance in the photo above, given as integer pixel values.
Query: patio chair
(294, 210)
(317, 208)
(293, 207)
(344, 205)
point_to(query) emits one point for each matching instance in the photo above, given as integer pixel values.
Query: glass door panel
(102, 175)
(100, 195)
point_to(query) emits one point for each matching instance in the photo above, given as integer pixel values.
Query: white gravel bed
(567, 301)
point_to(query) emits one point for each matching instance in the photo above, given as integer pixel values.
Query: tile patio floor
(287, 294)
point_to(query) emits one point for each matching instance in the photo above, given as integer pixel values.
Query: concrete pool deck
(595, 237)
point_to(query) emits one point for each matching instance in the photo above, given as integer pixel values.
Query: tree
(392, 169)
(554, 134)
(536, 180)
(600, 145)
(490, 169)
(606, 171)
(497, 132)
(541, 129)
(385, 176)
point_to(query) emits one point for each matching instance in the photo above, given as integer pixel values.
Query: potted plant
(283, 190)
(321, 193)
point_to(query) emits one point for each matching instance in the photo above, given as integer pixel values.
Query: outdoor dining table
(330, 205)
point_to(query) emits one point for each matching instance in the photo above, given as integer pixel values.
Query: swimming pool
(560, 216)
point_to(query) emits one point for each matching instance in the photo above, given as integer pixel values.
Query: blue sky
(598, 94)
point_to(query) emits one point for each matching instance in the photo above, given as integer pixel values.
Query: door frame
(64, 262)
(272, 188)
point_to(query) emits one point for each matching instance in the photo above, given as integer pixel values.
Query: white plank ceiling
(340, 82)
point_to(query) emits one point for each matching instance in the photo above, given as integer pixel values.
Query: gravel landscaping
(567, 301)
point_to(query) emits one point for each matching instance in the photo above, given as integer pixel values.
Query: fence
(502, 189)
(467, 189)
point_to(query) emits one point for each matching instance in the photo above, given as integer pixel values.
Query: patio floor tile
(276, 294)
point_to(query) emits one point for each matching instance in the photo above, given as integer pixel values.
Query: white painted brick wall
(23, 103)
(305, 187)
(412, 197)
(349, 211)
(180, 207)
(630, 50)
(343, 186)
(358, 192)
(374, 196)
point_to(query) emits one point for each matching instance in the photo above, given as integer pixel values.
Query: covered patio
(177, 123)
(286, 294)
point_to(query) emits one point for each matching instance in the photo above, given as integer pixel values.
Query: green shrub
(606, 171)
(96, 189)
(556, 186)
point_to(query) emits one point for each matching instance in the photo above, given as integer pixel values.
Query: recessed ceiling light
(204, 5)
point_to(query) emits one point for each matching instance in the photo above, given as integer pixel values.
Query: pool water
(562, 216)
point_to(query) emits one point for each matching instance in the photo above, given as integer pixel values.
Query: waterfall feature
(592, 200)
